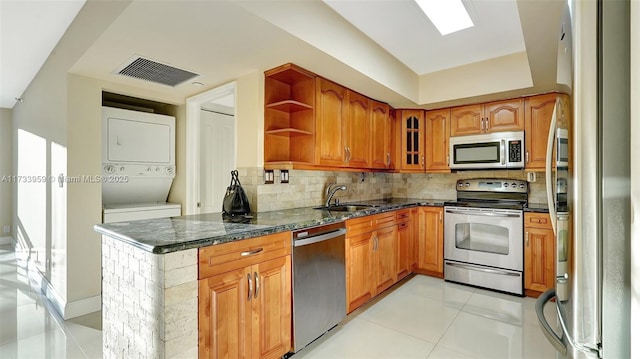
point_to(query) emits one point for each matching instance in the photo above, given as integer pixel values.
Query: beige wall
(250, 120)
(6, 169)
(54, 239)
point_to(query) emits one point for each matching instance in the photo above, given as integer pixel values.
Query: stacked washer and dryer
(138, 165)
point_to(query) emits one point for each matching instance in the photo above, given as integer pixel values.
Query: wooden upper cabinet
(437, 140)
(498, 116)
(381, 125)
(331, 109)
(412, 130)
(357, 127)
(289, 127)
(467, 120)
(538, 113)
(505, 115)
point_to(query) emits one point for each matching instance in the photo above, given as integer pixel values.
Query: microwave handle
(503, 155)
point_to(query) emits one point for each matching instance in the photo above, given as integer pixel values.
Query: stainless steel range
(483, 234)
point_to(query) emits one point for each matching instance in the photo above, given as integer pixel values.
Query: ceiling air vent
(145, 69)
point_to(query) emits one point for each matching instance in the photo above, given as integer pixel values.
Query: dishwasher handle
(320, 238)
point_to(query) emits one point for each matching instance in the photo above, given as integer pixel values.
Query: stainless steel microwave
(488, 151)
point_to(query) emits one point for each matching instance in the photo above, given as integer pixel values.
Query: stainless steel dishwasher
(319, 290)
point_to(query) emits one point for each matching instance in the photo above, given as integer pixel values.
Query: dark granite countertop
(537, 207)
(165, 235)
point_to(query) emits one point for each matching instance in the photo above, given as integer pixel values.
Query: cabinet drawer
(403, 215)
(370, 223)
(222, 258)
(537, 220)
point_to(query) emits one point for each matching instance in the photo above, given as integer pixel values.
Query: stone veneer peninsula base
(149, 302)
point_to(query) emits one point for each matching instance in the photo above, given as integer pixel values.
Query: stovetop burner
(491, 193)
(488, 204)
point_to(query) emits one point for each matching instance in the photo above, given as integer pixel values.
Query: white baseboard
(6, 240)
(66, 310)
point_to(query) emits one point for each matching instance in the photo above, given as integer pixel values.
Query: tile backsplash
(308, 188)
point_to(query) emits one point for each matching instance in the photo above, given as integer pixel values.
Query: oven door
(488, 237)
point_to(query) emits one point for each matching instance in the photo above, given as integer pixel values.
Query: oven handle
(486, 270)
(488, 214)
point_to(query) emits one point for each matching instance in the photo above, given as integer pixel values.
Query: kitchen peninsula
(150, 272)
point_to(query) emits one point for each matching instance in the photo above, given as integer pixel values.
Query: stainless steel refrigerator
(590, 201)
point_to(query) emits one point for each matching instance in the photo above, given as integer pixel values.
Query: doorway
(211, 148)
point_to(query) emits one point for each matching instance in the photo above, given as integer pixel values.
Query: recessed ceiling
(29, 30)
(401, 28)
(387, 49)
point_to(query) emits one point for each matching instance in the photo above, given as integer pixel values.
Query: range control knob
(168, 170)
(505, 185)
(122, 169)
(521, 185)
(157, 169)
(460, 184)
(467, 184)
(513, 185)
(109, 169)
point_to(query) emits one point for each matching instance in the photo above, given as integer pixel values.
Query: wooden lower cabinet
(385, 257)
(371, 262)
(539, 254)
(246, 312)
(405, 246)
(359, 270)
(430, 234)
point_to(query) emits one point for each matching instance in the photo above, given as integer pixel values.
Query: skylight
(448, 16)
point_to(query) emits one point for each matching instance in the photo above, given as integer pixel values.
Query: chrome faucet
(331, 190)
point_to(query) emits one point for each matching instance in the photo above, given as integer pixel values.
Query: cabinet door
(538, 112)
(357, 124)
(404, 250)
(467, 120)
(430, 242)
(271, 304)
(504, 115)
(412, 157)
(437, 140)
(331, 108)
(413, 239)
(386, 257)
(539, 261)
(380, 135)
(359, 269)
(224, 315)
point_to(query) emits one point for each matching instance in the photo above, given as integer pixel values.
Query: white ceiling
(387, 49)
(29, 30)
(401, 28)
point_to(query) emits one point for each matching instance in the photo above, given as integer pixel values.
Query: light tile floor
(427, 317)
(30, 328)
(422, 317)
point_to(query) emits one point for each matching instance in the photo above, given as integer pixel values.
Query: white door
(217, 158)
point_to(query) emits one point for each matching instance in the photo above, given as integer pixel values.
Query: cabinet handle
(482, 124)
(375, 243)
(526, 238)
(248, 253)
(255, 276)
(526, 156)
(346, 156)
(440, 215)
(486, 123)
(349, 153)
(250, 287)
(422, 164)
(388, 159)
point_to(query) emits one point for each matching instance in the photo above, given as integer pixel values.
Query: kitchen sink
(347, 207)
